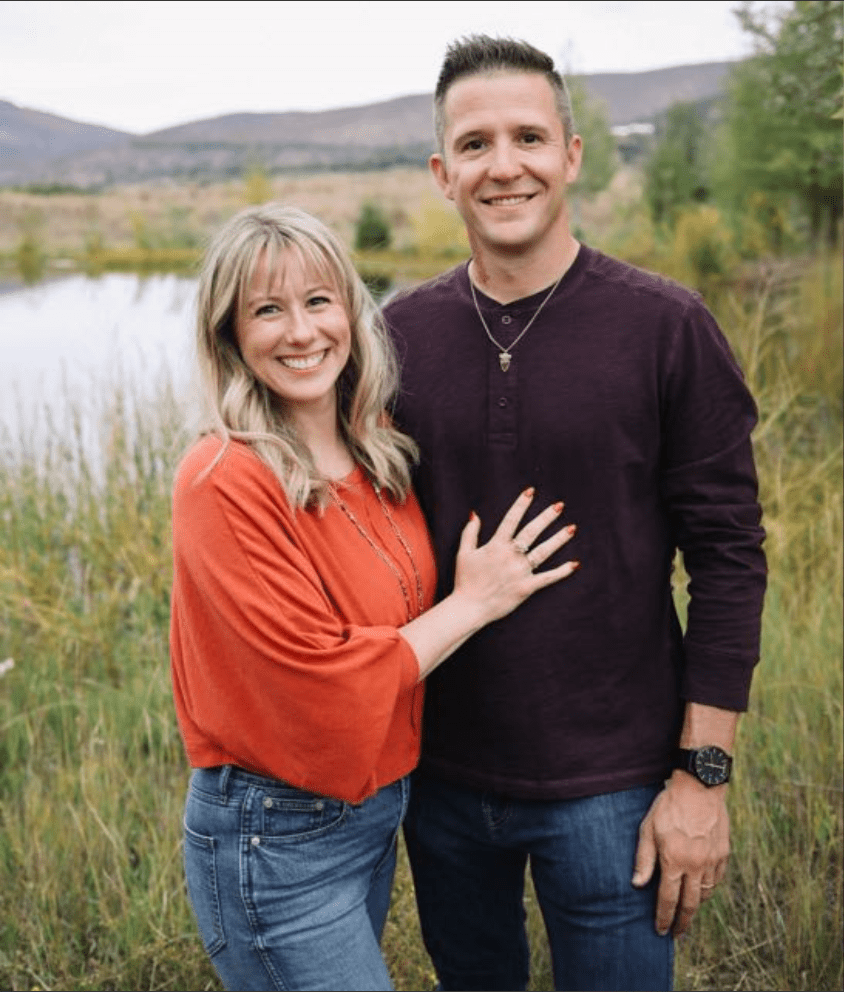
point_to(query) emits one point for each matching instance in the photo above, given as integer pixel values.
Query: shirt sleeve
(265, 668)
(710, 486)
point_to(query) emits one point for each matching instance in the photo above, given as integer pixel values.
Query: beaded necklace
(388, 561)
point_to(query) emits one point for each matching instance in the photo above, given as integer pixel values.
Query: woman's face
(294, 333)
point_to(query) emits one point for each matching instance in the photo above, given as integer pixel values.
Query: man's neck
(506, 278)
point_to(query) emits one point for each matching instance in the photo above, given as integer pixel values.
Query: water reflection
(65, 341)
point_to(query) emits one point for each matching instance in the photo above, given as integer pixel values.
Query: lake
(68, 339)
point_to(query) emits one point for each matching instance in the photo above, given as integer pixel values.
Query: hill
(42, 148)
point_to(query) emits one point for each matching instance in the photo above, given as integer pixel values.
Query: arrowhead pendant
(504, 359)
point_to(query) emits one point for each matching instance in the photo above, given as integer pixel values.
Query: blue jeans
(468, 852)
(290, 889)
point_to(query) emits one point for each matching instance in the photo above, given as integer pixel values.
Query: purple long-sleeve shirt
(624, 401)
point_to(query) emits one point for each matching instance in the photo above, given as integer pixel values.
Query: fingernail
(572, 529)
(575, 565)
(529, 492)
(473, 515)
(558, 507)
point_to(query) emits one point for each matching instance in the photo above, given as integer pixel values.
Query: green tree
(372, 229)
(600, 155)
(677, 172)
(783, 129)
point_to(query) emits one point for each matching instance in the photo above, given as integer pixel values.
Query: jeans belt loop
(223, 781)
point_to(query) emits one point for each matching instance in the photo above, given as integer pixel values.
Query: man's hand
(688, 829)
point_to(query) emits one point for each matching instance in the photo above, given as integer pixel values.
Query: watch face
(712, 765)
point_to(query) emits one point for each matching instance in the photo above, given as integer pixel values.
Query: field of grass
(92, 772)
(163, 226)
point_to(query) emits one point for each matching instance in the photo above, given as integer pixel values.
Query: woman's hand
(499, 576)
(490, 581)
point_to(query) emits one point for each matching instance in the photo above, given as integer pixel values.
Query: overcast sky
(141, 66)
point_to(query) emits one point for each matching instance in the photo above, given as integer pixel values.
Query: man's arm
(687, 828)
(709, 486)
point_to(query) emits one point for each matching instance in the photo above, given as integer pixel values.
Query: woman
(302, 620)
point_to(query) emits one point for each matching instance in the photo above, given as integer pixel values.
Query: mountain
(39, 148)
(31, 138)
(644, 96)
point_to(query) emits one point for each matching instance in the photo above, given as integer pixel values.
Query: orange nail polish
(575, 565)
(529, 492)
(572, 529)
(558, 507)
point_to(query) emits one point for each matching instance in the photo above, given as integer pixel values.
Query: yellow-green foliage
(257, 185)
(438, 231)
(30, 255)
(97, 259)
(92, 774)
(702, 244)
(778, 924)
(765, 227)
(30, 258)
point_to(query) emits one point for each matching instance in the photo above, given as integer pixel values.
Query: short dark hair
(479, 53)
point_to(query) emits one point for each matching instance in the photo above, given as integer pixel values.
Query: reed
(92, 773)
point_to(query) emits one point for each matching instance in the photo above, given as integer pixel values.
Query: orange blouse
(285, 654)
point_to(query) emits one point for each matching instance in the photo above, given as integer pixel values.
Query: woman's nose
(300, 328)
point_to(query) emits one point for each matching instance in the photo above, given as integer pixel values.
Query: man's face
(505, 163)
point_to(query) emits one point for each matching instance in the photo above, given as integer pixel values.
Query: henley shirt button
(506, 319)
(502, 402)
(255, 842)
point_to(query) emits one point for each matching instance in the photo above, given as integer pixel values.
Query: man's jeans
(468, 851)
(290, 889)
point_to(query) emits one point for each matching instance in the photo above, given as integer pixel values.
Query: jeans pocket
(288, 814)
(203, 891)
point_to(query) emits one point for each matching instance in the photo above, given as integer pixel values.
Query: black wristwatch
(710, 765)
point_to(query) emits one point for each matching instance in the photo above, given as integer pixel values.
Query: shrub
(372, 229)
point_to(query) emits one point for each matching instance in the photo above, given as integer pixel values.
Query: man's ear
(436, 163)
(574, 157)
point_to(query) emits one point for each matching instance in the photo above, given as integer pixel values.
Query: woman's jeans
(290, 889)
(468, 852)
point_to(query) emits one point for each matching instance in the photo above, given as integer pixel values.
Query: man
(551, 738)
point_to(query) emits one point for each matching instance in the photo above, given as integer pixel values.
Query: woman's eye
(318, 301)
(266, 309)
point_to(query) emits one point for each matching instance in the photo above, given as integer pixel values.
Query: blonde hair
(241, 407)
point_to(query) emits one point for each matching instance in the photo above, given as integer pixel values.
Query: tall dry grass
(92, 773)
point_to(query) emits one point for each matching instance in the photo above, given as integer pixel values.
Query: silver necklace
(505, 355)
(388, 561)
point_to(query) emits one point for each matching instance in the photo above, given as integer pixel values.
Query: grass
(92, 773)
(161, 226)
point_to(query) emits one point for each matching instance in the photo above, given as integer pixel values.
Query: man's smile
(507, 200)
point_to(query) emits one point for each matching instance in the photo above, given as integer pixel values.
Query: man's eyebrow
(461, 136)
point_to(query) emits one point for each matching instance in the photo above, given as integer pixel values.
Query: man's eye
(474, 145)
(530, 138)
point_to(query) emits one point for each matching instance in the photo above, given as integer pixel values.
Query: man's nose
(505, 164)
